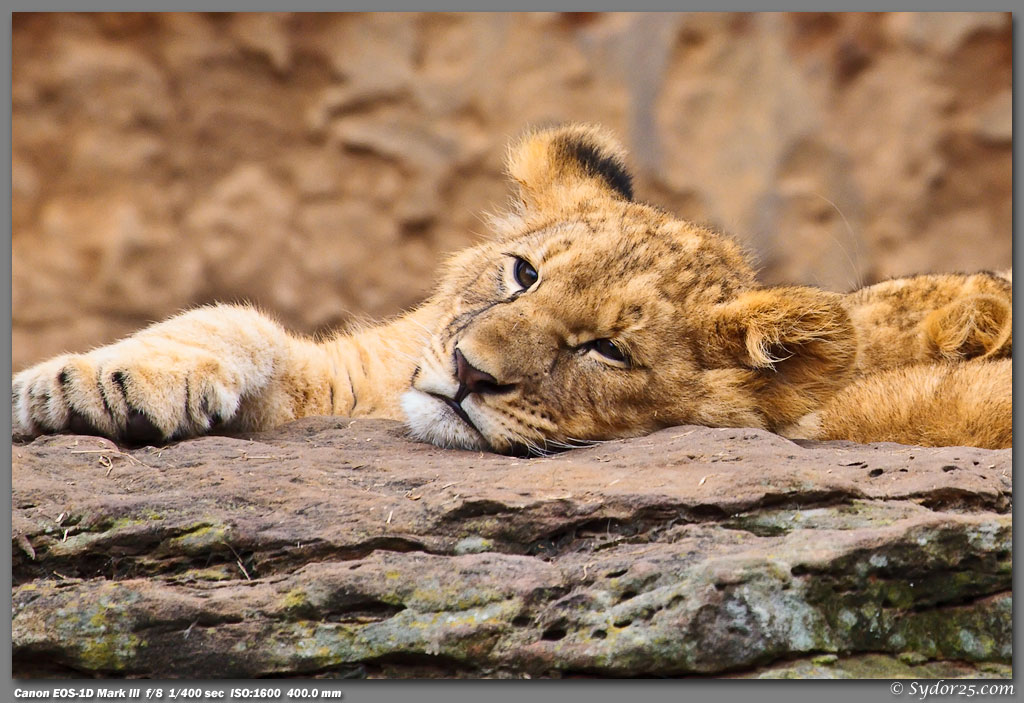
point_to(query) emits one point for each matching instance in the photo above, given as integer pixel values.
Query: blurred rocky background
(322, 165)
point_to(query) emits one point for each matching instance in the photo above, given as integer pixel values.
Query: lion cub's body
(588, 316)
(938, 317)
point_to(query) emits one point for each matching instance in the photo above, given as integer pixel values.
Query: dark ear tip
(597, 162)
(569, 153)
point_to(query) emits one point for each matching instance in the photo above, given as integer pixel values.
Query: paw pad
(140, 430)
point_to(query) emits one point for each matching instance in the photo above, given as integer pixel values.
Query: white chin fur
(430, 420)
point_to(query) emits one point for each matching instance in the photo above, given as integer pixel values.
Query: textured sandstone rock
(339, 548)
(322, 166)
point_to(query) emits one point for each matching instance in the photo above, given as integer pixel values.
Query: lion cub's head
(591, 316)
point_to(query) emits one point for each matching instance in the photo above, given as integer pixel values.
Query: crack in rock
(357, 551)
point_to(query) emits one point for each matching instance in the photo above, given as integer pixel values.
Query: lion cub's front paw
(132, 391)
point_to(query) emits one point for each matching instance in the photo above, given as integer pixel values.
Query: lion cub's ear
(563, 166)
(798, 343)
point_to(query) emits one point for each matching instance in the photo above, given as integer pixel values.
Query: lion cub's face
(593, 317)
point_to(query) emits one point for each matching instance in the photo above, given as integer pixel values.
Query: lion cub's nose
(473, 380)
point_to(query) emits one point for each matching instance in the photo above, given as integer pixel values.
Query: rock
(880, 666)
(24, 191)
(241, 225)
(995, 122)
(265, 34)
(135, 90)
(940, 33)
(375, 49)
(332, 547)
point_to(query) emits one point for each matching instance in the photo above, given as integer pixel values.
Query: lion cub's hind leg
(964, 404)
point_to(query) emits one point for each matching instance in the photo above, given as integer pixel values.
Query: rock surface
(336, 548)
(322, 166)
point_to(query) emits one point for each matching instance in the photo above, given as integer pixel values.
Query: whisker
(414, 358)
(419, 324)
(858, 279)
(533, 449)
(588, 442)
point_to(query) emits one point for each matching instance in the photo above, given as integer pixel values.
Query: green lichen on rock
(97, 629)
(880, 666)
(473, 544)
(654, 562)
(201, 538)
(216, 572)
(854, 515)
(310, 645)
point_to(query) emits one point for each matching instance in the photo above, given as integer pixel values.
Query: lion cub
(587, 316)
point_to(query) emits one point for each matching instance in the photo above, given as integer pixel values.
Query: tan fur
(935, 404)
(937, 317)
(696, 341)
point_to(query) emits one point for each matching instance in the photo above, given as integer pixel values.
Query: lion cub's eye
(608, 349)
(524, 273)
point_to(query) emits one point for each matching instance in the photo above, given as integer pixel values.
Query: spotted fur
(630, 320)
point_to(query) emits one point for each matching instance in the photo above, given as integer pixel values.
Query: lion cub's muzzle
(473, 380)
